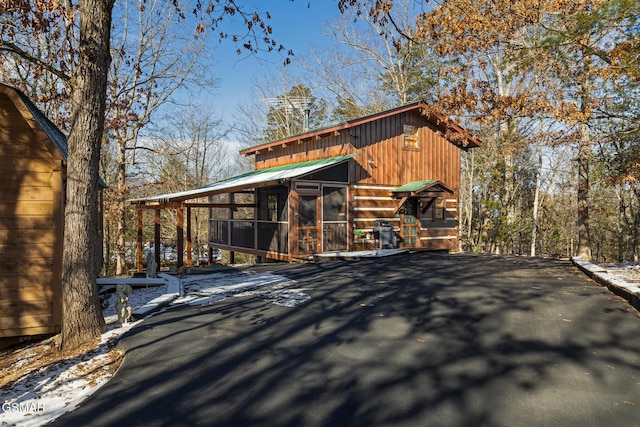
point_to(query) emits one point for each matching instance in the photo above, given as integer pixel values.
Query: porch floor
(357, 254)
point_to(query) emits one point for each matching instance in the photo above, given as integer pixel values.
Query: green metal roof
(420, 186)
(251, 179)
(312, 165)
(415, 186)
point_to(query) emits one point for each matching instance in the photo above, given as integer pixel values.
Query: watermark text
(23, 407)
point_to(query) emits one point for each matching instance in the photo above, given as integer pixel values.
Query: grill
(383, 232)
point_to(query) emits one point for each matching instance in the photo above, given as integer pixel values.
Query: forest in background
(550, 87)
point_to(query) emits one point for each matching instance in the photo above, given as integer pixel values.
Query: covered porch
(283, 213)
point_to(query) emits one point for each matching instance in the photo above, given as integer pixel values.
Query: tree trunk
(82, 317)
(536, 202)
(469, 201)
(584, 240)
(584, 154)
(120, 209)
(622, 223)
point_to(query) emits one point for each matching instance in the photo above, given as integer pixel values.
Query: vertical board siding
(30, 228)
(380, 142)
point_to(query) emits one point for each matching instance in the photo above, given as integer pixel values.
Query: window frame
(438, 209)
(410, 137)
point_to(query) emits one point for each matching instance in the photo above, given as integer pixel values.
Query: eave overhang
(450, 130)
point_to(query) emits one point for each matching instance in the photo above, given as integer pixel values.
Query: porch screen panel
(273, 204)
(307, 211)
(308, 224)
(219, 231)
(334, 216)
(242, 234)
(273, 236)
(337, 173)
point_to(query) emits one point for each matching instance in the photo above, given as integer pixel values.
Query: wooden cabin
(33, 155)
(390, 179)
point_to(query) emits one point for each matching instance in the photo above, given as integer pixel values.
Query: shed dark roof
(57, 137)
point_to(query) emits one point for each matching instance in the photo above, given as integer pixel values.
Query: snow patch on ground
(43, 395)
(207, 290)
(289, 297)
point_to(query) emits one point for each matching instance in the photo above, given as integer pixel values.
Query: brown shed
(33, 155)
(337, 188)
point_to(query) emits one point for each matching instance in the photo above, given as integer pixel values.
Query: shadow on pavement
(418, 339)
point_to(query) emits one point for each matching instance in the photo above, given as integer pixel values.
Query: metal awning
(413, 189)
(254, 179)
(431, 188)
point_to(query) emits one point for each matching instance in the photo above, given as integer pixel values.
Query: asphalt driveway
(422, 339)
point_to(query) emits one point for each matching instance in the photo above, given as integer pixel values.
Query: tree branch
(12, 48)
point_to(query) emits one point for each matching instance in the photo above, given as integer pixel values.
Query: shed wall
(31, 218)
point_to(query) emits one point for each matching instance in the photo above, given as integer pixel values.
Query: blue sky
(296, 24)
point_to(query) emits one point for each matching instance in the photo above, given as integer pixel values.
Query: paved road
(414, 340)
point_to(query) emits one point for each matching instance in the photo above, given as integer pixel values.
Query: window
(411, 139)
(307, 186)
(438, 209)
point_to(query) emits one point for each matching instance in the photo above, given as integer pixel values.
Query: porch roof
(428, 188)
(253, 179)
(416, 187)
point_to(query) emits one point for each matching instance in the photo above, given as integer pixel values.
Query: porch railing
(268, 236)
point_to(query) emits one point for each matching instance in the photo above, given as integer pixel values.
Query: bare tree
(154, 55)
(278, 110)
(369, 69)
(187, 150)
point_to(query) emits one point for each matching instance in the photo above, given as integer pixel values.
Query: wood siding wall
(370, 204)
(382, 163)
(440, 234)
(31, 220)
(380, 158)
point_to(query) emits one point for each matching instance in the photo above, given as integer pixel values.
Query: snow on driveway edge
(620, 287)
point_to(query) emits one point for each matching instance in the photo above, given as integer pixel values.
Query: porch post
(230, 216)
(180, 232)
(189, 262)
(156, 237)
(402, 234)
(139, 241)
